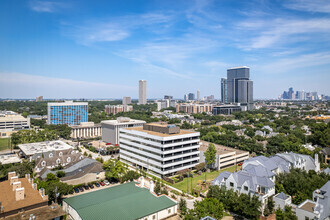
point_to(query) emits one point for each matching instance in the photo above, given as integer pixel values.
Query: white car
(106, 182)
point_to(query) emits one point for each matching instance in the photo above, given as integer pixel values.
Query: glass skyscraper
(70, 113)
(223, 90)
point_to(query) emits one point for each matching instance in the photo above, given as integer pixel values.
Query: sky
(101, 49)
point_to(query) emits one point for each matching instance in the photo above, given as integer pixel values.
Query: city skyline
(62, 49)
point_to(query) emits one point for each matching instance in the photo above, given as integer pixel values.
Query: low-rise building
(110, 128)
(225, 156)
(9, 159)
(125, 201)
(11, 122)
(162, 149)
(306, 210)
(226, 109)
(192, 108)
(86, 130)
(281, 200)
(325, 152)
(84, 171)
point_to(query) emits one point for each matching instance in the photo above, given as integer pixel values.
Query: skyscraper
(142, 92)
(223, 90)
(126, 100)
(198, 95)
(240, 87)
(70, 113)
(191, 96)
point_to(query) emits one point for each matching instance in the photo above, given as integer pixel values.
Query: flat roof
(66, 103)
(238, 67)
(116, 122)
(46, 146)
(220, 148)
(308, 206)
(125, 201)
(9, 158)
(182, 132)
(8, 198)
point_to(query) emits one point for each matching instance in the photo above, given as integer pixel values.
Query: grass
(197, 181)
(4, 144)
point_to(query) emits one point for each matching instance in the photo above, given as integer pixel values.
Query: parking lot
(91, 189)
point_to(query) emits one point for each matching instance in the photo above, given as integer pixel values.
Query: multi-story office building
(114, 109)
(127, 100)
(191, 96)
(86, 130)
(70, 113)
(198, 95)
(240, 87)
(223, 90)
(168, 97)
(39, 99)
(161, 149)
(110, 128)
(11, 122)
(226, 109)
(142, 92)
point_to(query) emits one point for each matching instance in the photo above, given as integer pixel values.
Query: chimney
(45, 197)
(17, 185)
(31, 181)
(35, 186)
(142, 181)
(151, 186)
(11, 174)
(13, 180)
(27, 176)
(42, 192)
(20, 194)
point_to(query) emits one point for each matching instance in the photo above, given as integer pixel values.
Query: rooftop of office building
(239, 67)
(122, 120)
(161, 130)
(46, 146)
(66, 103)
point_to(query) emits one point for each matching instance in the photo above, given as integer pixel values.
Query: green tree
(60, 174)
(210, 155)
(183, 206)
(114, 169)
(207, 207)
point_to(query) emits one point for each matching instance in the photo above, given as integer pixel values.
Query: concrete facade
(86, 130)
(142, 92)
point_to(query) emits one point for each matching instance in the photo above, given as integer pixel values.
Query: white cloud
(45, 6)
(26, 86)
(322, 6)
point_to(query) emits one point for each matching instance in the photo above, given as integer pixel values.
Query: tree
(114, 169)
(269, 208)
(130, 175)
(60, 174)
(287, 214)
(157, 188)
(183, 206)
(207, 207)
(210, 155)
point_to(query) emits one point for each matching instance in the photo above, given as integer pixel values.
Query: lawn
(4, 144)
(197, 181)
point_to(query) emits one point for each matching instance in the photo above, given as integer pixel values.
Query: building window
(231, 184)
(60, 154)
(154, 217)
(246, 188)
(58, 161)
(43, 163)
(306, 218)
(169, 211)
(51, 155)
(68, 159)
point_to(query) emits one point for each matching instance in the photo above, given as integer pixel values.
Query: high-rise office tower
(191, 96)
(70, 113)
(198, 95)
(240, 87)
(39, 99)
(168, 97)
(223, 90)
(127, 100)
(142, 92)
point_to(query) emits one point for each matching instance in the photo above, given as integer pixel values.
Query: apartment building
(70, 113)
(159, 148)
(114, 109)
(11, 122)
(191, 108)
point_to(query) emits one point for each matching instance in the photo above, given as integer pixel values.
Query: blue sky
(100, 49)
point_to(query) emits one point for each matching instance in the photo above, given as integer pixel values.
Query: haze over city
(83, 49)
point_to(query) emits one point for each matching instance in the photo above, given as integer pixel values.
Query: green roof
(125, 201)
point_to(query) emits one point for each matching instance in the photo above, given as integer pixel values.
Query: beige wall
(86, 179)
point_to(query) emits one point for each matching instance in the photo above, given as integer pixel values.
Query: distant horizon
(85, 49)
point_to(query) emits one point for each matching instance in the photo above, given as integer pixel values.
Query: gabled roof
(258, 170)
(221, 177)
(326, 188)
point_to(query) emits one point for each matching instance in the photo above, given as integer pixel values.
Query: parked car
(97, 184)
(86, 187)
(240, 164)
(76, 190)
(81, 189)
(91, 186)
(102, 183)
(106, 182)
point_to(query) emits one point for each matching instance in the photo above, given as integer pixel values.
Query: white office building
(110, 128)
(142, 92)
(11, 122)
(161, 149)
